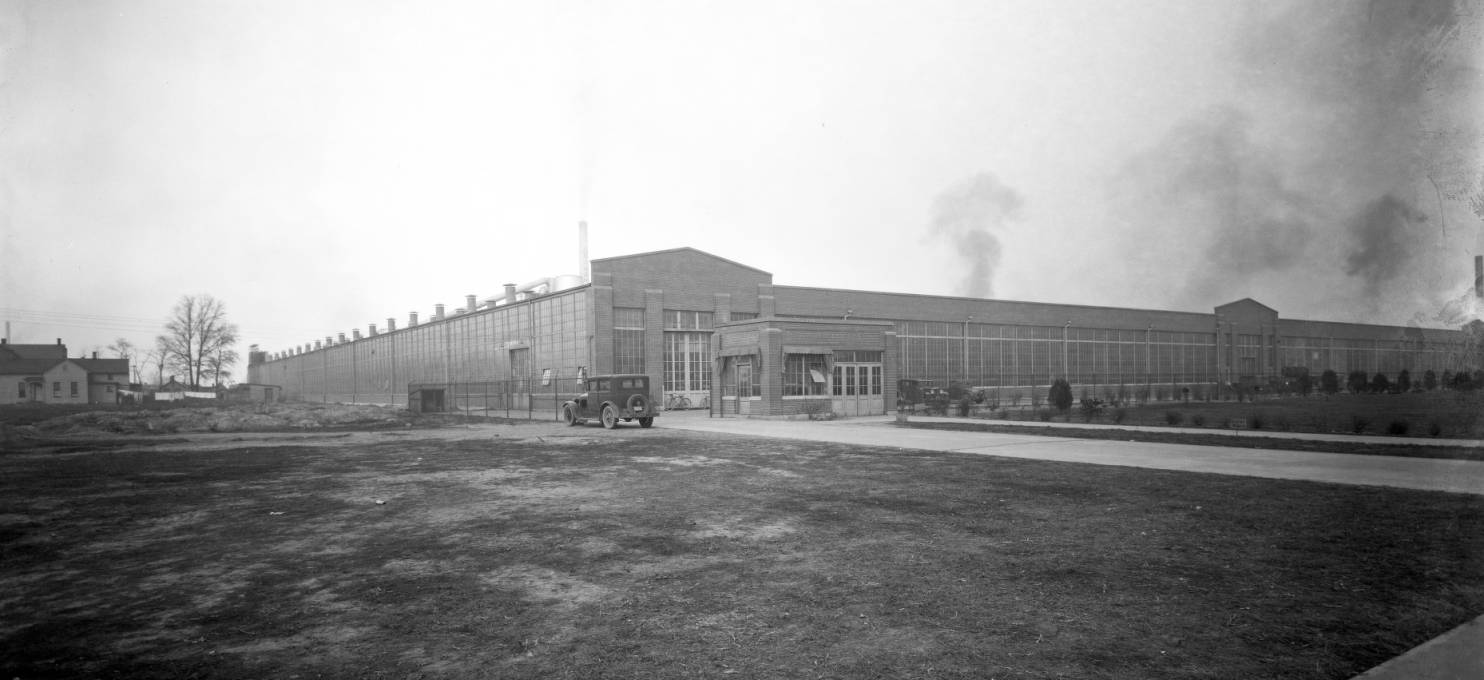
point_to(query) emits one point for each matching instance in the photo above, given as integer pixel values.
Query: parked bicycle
(676, 402)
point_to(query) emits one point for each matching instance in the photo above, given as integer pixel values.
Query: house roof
(12, 352)
(26, 366)
(103, 365)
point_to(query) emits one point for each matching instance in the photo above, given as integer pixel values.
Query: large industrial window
(684, 320)
(804, 375)
(687, 361)
(628, 340)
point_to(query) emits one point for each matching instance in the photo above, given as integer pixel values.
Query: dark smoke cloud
(1382, 243)
(967, 215)
(1210, 191)
(1354, 149)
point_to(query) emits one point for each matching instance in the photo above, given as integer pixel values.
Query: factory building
(725, 337)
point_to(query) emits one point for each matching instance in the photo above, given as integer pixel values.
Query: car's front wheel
(646, 421)
(610, 417)
(569, 416)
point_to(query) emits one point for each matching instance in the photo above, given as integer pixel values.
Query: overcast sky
(319, 166)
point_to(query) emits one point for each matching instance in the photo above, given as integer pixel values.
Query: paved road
(1411, 473)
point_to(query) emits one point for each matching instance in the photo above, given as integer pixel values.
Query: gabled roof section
(53, 352)
(103, 365)
(1246, 304)
(26, 366)
(684, 250)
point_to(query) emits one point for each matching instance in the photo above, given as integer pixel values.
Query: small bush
(1044, 414)
(1397, 427)
(1199, 420)
(1174, 418)
(1434, 429)
(1358, 424)
(1255, 420)
(1119, 414)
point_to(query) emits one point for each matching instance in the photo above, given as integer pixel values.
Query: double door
(856, 390)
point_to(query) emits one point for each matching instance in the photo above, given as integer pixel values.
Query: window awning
(807, 349)
(818, 377)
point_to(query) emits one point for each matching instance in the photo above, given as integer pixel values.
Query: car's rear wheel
(610, 417)
(569, 416)
(646, 421)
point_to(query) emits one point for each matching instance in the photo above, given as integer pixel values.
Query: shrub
(1255, 420)
(1380, 384)
(1434, 429)
(1358, 424)
(965, 405)
(1404, 381)
(1356, 382)
(1044, 414)
(1429, 380)
(1119, 414)
(1060, 395)
(1173, 418)
(1198, 420)
(817, 409)
(1397, 427)
(1329, 382)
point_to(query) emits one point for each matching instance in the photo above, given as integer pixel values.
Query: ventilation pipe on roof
(471, 303)
(371, 330)
(438, 312)
(509, 293)
(316, 344)
(411, 319)
(355, 334)
(341, 339)
(391, 324)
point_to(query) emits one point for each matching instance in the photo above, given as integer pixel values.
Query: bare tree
(217, 366)
(198, 329)
(124, 349)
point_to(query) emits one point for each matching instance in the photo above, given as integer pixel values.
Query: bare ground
(543, 551)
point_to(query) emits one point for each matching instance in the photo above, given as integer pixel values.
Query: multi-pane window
(628, 340)
(57, 388)
(74, 388)
(687, 361)
(687, 320)
(804, 375)
(743, 316)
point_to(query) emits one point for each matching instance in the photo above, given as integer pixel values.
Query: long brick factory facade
(725, 337)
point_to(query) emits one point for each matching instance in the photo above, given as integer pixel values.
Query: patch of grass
(646, 553)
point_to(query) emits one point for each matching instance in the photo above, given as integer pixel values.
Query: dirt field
(541, 551)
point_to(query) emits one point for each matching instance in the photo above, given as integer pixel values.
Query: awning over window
(807, 349)
(816, 375)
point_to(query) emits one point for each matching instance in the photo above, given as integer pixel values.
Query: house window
(21, 389)
(804, 375)
(57, 388)
(74, 388)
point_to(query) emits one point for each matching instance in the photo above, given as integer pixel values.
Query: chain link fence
(532, 399)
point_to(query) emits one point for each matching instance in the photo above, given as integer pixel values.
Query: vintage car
(611, 398)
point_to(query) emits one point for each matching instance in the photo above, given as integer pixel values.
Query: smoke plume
(967, 215)
(1340, 186)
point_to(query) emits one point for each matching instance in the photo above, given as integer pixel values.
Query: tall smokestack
(582, 262)
(1479, 276)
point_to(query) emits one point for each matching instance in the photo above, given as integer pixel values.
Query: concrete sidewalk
(1455, 655)
(1429, 474)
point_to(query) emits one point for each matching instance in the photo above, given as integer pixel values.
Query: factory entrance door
(857, 389)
